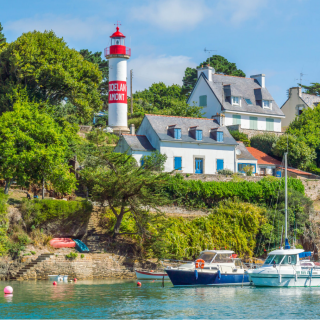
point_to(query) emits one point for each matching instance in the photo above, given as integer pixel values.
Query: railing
(117, 50)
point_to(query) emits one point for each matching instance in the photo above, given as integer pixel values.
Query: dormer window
(198, 134)
(216, 135)
(248, 101)
(267, 104)
(235, 101)
(219, 136)
(177, 133)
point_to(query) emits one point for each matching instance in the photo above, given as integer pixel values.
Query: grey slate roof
(310, 99)
(245, 88)
(160, 125)
(138, 143)
(245, 154)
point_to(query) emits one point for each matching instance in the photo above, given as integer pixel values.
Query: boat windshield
(269, 259)
(223, 258)
(283, 259)
(207, 256)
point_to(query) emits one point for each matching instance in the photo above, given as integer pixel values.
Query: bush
(4, 223)
(226, 172)
(82, 256)
(71, 255)
(264, 142)
(240, 136)
(33, 252)
(37, 211)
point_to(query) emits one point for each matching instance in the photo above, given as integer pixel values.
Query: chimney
(261, 78)
(207, 71)
(132, 129)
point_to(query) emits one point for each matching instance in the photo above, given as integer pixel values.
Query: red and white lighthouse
(118, 54)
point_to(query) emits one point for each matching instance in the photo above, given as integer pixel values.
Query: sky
(276, 37)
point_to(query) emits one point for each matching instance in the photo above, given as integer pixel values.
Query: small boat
(151, 275)
(212, 268)
(53, 277)
(62, 243)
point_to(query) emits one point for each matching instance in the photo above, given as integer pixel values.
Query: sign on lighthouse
(118, 54)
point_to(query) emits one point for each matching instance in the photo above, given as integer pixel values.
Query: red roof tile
(297, 171)
(262, 157)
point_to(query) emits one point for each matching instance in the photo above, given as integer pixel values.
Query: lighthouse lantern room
(118, 54)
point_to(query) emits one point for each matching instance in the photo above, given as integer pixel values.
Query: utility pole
(131, 98)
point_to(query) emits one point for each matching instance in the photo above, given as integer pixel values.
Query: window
(242, 166)
(177, 163)
(248, 101)
(300, 110)
(202, 101)
(220, 164)
(219, 136)
(292, 259)
(142, 161)
(253, 123)
(270, 124)
(198, 134)
(177, 133)
(236, 119)
(235, 101)
(266, 104)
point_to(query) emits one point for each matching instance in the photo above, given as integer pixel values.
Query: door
(220, 164)
(199, 166)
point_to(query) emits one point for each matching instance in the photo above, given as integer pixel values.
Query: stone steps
(43, 257)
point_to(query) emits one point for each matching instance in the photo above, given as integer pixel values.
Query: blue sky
(276, 37)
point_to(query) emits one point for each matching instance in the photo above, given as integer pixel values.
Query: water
(123, 299)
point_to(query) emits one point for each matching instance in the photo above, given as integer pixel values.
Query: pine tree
(3, 40)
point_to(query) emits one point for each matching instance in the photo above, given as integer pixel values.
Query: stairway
(93, 238)
(19, 275)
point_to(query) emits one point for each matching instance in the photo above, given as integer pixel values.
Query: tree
(2, 38)
(103, 65)
(240, 136)
(117, 182)
(221, 66)
(313, 89)
(34, 148)
(299, 154)
(264, 142)
(51, 72)
(155, 161)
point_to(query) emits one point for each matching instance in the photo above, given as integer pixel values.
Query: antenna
(301, 76)
(118, 23)
(206, 50)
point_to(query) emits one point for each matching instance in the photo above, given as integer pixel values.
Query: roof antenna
(206, 50)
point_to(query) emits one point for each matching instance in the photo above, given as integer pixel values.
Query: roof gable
(137, 142)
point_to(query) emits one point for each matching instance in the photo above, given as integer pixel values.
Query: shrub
(248, 170)
(4, 223)
(82, 256)
(264, 142)
(71, 255)
(39, 238)
(36, 211)
(240, 136)
(33, 252)
(226, 172)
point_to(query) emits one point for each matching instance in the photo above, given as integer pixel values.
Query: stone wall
(250, 132)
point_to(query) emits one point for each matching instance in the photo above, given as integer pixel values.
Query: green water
(123, 299)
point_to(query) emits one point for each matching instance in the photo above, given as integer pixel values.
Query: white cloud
(173, 15)
(153, 69)
(64, 26)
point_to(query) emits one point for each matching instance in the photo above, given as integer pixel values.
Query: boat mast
(286, 246)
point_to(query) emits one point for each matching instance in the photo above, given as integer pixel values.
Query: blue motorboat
(212, 268)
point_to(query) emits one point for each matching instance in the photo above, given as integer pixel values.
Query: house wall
(147, 130)
(202, 89)
(289, 108)
(269, 169)
(188, 152)
(245, 122)
(139, 154)
(255, 162)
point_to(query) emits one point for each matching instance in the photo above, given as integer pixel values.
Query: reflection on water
(123, 299)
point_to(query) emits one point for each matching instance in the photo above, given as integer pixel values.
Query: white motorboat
(283, 267)
(151, 275)
(58, 278)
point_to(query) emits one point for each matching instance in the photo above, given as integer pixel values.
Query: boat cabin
(220, 257)
(284, 257)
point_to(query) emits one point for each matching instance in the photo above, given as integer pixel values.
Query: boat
(212, 268)
(285, 267)
(58, 278)
(151, 275)
(62, 243)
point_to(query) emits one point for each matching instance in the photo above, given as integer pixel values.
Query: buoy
(75, 279)
(8, 289)
(54, 283)
(151, 270)
(139, 284)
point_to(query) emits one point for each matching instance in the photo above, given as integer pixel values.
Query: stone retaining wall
(251, 132)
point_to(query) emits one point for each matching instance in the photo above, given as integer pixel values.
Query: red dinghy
(62, 243)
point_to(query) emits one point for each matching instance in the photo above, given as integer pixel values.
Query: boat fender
(196, 274)
(219, 274)
(296, 278)
(279, 278)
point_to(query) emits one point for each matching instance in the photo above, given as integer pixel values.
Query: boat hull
(285, 281)
(142, 275)
(188, 278)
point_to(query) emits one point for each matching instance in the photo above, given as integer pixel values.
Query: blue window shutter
(142, 162)
(220, 164)
(177, 163)
(199, 134)
(219, 136)
(177, 133)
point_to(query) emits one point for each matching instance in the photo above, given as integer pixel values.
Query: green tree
(117, 182)
(299, 154)
(103, 65)
(264, 142)
(155, 161)
(50, 71)
(240, 136)
(313, 89)
(2, 38)
(221, 66)
(34, 148)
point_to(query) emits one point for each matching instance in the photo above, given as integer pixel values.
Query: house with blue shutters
(237, 101)
(192, 145)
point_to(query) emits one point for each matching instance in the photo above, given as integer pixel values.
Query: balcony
(116, 50)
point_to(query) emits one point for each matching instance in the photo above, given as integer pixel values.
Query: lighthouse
(118, 54)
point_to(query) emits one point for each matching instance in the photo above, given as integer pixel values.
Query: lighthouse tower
(118, 54)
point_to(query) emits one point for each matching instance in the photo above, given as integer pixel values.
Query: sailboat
(283, 267)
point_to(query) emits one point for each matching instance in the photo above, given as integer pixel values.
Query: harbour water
(123, 299)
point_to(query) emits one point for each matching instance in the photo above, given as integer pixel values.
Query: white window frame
(236, 103)
(269, 104)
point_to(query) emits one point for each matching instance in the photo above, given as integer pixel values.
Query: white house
(236, 101)
(192, 145)
(244, 159)
(296, 103)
